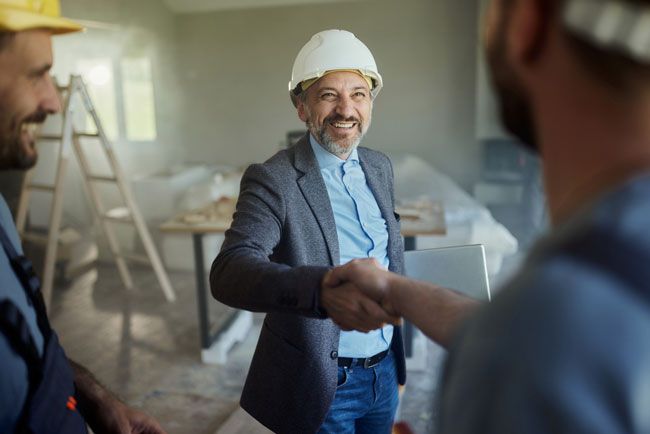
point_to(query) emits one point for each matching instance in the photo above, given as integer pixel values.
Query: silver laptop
(461, 268)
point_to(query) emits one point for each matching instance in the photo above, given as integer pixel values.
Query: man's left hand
(115, 417)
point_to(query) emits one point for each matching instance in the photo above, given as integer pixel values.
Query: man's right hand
(368, 277)
(349, 307)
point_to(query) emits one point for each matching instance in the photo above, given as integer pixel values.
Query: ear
(302, 110)
(529, 30)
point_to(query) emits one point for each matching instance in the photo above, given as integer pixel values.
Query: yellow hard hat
(19, 15)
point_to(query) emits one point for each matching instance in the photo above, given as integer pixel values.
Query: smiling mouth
(29, 131)
(343, 125)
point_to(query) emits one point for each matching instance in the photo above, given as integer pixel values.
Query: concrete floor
(147, 351)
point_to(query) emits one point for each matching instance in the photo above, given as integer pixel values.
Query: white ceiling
(190, 6)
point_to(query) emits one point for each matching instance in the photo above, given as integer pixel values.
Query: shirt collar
(326, 159)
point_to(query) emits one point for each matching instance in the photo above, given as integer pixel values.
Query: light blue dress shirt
(362, 233)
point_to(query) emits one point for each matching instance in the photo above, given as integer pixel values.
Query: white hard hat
(610, 24)
(333, 50)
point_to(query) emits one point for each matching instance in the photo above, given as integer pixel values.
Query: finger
(349, 321)
(402, 428)
(390, 309)
(337, 275)
(329, 279)
(377, 313)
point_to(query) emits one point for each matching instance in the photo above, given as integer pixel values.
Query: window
(98, 75)
(138, 97)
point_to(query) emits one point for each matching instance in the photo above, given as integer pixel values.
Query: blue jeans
(365, 401)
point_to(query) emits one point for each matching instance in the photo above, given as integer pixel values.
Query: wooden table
(210, 219)
(423, 217)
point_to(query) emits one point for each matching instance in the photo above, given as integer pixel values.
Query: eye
(359, 95)
(328, 96)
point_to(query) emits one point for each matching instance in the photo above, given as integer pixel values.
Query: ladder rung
(85, 134)
(67, 236)
(140, 259)
(61, 88)
(42, 187)
(102, 178)
(52, 137)
(34, 237)
(119, 215)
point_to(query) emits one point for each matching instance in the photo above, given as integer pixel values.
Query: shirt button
(334, 354)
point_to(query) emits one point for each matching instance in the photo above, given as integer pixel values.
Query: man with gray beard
(318, 204)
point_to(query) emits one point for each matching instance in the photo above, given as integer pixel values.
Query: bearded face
(337, 111)
(27, 96)
(17, 138)
(514, 106)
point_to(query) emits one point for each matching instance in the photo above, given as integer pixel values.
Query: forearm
(435, 310)
(91, 394)
(248, 282)
(104, 412)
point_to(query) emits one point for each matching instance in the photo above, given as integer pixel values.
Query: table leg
(201, 288)
(409, 244)
(214, 348)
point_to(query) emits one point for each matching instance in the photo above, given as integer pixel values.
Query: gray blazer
(281, 243)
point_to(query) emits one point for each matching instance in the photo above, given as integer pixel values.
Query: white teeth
(30, 128)
(343, 124)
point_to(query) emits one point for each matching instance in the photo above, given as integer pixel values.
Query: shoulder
(554, 347)
(275, 169)
(562, 308)
(281, 163)
(7, 223)
(373, 156)
(562, 339)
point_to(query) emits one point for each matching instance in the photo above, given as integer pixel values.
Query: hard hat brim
(13, 20)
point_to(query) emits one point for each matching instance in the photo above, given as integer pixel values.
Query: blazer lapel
(313, 189)
(377, 181)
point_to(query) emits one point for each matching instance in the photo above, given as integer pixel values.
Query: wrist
(393, 292)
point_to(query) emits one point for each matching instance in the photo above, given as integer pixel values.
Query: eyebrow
(335, 90)
(38, 71)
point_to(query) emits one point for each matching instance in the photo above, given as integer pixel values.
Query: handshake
(358, 296)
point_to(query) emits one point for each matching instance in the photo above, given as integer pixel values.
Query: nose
(50, 100)
(345, 107)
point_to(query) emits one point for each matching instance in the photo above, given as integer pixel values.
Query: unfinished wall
(117, 29)
(220, 79)
(140, 28)
(235, 66)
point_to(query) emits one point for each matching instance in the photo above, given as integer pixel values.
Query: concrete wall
(220, 79)
(123, 28)
(141, 28)
(235, 66)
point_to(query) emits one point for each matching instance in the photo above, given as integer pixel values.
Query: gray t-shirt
(13, 372)
(565, 348)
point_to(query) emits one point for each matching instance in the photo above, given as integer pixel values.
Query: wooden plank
(241, 422)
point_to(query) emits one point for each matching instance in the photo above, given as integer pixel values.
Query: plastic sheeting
(468, 221)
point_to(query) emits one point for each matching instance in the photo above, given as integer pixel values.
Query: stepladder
(73, 138)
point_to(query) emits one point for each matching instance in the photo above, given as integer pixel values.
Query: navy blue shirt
(14, 380)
